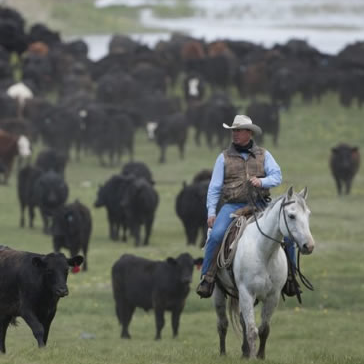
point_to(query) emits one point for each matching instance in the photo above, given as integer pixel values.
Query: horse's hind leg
(222, 320)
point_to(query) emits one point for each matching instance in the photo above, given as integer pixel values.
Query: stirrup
(205, 288)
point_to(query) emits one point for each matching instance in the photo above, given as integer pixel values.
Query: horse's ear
(304, 193)
(290, 192)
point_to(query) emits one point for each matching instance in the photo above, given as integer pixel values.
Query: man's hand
(256, 182)
(211, 221)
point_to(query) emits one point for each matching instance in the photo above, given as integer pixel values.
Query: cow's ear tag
(76, 269)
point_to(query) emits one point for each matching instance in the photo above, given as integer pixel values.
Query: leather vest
(237, 171)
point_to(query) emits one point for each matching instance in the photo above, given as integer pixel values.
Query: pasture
(326, 328)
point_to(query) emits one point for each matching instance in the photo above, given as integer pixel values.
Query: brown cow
(11, 145)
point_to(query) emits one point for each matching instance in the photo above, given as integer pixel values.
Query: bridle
(256, 207)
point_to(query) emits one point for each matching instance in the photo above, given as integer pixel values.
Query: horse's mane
(299, 199)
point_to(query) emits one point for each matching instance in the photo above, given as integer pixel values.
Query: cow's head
(54, 268)
(52, 189)
(24, 146)
(184, 264)
(100, 197)
(151, 127)
(345, 156)
(66, 221)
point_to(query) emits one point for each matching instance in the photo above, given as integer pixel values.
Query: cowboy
(243, 163)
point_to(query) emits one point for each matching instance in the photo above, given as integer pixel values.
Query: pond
(328, 25)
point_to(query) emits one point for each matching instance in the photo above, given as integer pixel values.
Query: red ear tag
(198, 266)
(76, 269)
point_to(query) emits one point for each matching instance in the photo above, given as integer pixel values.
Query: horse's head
(294, 220)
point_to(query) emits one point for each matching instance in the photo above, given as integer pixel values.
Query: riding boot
(207, 284)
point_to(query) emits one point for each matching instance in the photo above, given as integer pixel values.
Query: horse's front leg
(245, 347)
(222, 320)
(267, 311)
(246, 305)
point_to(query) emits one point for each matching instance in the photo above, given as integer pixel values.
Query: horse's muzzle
(307, 249)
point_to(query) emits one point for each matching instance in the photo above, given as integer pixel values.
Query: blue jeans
(222, 222)
(291, 249)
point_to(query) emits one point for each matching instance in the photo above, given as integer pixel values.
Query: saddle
(232, 236)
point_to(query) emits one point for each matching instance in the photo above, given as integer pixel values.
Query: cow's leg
(117, 229)
(348, 186)
(6, 175)
(36, 327)
(111, 157)
(176, 314)
(338, 185)
(222, 320)
(45, 222)
(148, 230)
(47, 324)
(198, 137)
(125, 313)
(191, 232)
(31, 215)
(181, 148)
(84, 251)
(246, 305)
(162, 158)
(275, 139)
(124, 227)
(4, 324)
(135, 231)
(159, 321)
(267, 311)
(22, 218)
(130, 148)
(111, 230)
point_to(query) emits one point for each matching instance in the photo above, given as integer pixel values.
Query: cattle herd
(52, 94)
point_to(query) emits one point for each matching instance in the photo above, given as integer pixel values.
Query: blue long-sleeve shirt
(273, 178)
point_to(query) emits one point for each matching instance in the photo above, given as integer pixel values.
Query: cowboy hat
(244, 122)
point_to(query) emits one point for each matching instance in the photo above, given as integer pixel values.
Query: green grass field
(326, 328)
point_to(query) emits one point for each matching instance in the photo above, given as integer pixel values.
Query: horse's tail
(234, 314)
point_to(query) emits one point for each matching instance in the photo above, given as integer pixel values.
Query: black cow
(33, 285)
(203, 175)
(27, 178)
(71, 229)
(138, 169)
(51, 191)
(267, 117)
(51, 160)
(171, 129)
(157, 285)
(344, 164)
(109, 196)
(191, 209)
(139, 202)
